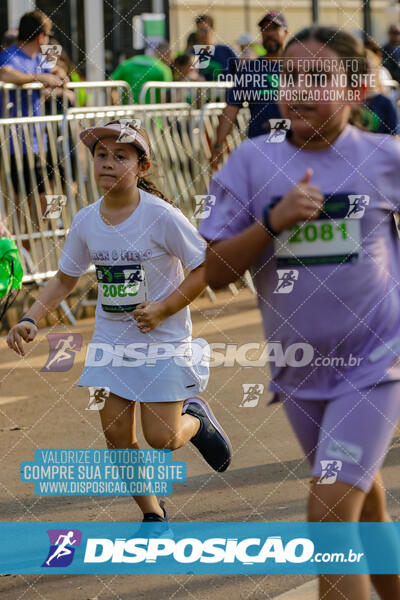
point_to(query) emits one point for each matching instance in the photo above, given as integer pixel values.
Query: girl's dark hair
(345, 45)
(144, 183)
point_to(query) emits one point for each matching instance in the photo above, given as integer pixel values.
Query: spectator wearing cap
(221, 56)
(391, 51)
(255, 89)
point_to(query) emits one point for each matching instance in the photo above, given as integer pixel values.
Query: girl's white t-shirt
(138, 260)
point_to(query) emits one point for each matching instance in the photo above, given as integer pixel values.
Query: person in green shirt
(137, 70)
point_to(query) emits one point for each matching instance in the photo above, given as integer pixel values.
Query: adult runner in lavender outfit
(291, 205)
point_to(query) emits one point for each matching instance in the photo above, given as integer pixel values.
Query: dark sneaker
(211, 440)
(155, 526)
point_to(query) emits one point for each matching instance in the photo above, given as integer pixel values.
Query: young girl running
(137, 241)
(318, 206)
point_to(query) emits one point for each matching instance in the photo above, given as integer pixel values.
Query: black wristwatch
(30, 321)
(267, 223)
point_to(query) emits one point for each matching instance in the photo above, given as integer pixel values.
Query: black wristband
(30, 321)
(267, 223)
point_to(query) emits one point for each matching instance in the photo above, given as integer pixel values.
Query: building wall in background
(230, 16)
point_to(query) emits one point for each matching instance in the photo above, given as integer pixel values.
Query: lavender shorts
(346, 439)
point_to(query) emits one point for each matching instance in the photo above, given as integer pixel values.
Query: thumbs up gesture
(303, 202)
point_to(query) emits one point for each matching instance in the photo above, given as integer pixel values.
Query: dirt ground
(267, 481)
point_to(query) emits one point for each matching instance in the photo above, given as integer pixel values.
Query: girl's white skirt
(182, 373)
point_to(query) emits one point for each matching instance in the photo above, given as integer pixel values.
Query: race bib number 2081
(121, 287)
(333, 237)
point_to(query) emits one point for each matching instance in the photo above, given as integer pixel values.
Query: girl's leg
(326, 502)
(119, 425)
(340, 502)
(374, 510)
(164, 425)
(357, 453)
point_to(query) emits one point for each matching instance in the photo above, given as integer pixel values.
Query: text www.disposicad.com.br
(102, 487)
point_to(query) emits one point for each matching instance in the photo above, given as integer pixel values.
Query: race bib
(121, 287)
(334, 237)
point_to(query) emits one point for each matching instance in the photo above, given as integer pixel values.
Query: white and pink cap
(127, 135)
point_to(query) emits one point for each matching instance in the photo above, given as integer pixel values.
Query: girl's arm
(54, 292)
(150, 314)
(190, 288)
(228, 259)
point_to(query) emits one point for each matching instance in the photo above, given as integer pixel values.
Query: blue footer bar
(201, 548)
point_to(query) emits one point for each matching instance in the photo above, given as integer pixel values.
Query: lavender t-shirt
(344, 268)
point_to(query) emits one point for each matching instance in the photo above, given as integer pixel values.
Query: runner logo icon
(62, 351)
(50, 54)
(330, 470)
(133, 279)
(286, 280)
(98, 397)
(278, 130)
(128, 134)
(55, 202)
(251, 394)
(203, 55)
(62, 547)
(203, 206)
(357, 206)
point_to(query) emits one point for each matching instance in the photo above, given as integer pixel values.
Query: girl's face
(325, 107)
(116, 166)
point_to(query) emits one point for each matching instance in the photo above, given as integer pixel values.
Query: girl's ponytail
(146, 184)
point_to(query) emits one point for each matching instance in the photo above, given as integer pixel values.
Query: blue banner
(201, 548)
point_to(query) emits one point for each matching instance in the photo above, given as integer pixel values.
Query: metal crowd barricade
(11, 98)
(195, 93)
(96, 93)
(91, 93)
(31, 170)
(206, 129)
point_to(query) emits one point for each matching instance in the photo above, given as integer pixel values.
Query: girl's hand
(302, 203)
(21, 331)
(149, 315)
